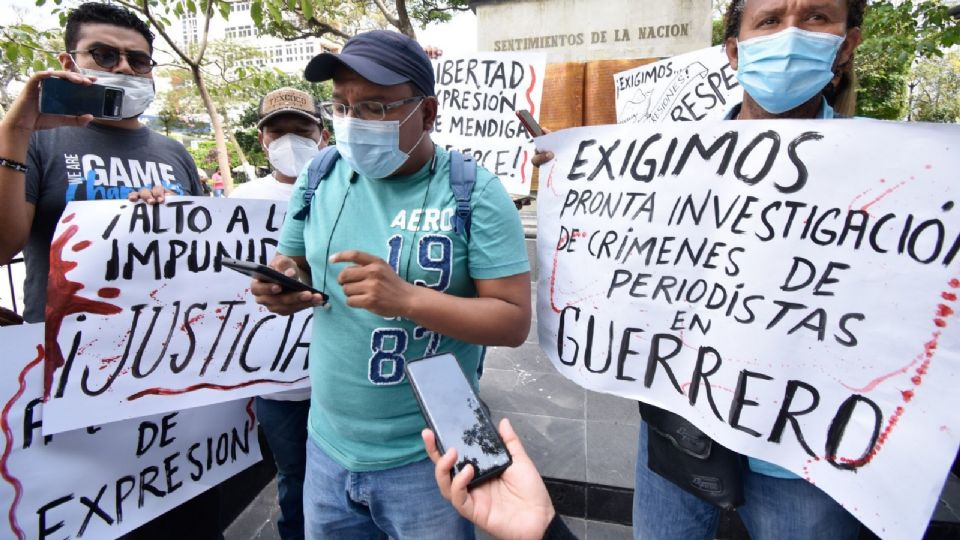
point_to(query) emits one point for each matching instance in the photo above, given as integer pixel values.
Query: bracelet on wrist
(15, 165)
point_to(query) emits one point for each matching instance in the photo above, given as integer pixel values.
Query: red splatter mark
(62, 301)
(204, 386)
(80, 246)
(880, 197)
(251, 414)
(955, 283)
(108, 292)
(876, 382)
(533, 82)
(940, 322)
(944, 310)
(949, 296)
(550, 180)
(928, 166)
(929, 350)
(190, 321)
(8, 444)
(523, 170)
(69, 218)
(105, 362)
(553, 283)
(892, 423)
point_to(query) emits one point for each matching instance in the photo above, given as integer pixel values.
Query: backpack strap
(319, 168)
(463, 176)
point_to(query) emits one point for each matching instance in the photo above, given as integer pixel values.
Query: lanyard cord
(326, 257)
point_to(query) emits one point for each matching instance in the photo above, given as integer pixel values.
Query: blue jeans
(403, 502)
(775, 508)
(284, 424)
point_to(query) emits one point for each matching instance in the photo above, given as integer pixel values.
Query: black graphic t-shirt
(92, 163)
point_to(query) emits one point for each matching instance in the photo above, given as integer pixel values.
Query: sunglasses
(108, 57)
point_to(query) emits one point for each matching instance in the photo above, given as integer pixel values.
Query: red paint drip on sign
(108, 292)
(80, 246)
(533, 83)
(62, 301)
(8, 444)
(203, 386)
(251, 414)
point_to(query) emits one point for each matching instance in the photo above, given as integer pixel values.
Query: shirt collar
(825, 113)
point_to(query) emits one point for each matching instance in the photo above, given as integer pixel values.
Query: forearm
(14, 211)
(481, 320)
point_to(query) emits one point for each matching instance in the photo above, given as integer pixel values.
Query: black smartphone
(265, 273)
(60, 96)
(529, 123)
(457, 417)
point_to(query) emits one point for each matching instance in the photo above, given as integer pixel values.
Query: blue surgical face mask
(784, 70)
(372, 147)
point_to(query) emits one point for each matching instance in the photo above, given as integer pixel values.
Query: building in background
(287, 56)
(587, 30)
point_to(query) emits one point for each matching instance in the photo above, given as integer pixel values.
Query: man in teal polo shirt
(378, 239)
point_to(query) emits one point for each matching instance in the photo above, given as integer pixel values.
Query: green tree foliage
(896, 34)
(340, 19)
(936, 92)
(24, 49)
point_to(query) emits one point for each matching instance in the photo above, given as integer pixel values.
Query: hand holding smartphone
(529, 123)
(457, 417)
(63, 97)
(269, 275)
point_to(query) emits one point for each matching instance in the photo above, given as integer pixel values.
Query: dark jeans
(284, 424)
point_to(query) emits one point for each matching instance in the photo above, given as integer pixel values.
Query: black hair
(100, 13)
(734, 16)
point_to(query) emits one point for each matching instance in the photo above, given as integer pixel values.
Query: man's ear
(67, 62)
(324, 137)
(260, 140)
(849, 46)
(429, 113)
(733, 52)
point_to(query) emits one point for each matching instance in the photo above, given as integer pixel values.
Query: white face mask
(290, 153)
(138, 92)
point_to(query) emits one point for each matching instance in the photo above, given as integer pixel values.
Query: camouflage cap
(287, 101)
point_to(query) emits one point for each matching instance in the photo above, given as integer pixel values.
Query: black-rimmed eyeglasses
(108, 57)
(365, 110)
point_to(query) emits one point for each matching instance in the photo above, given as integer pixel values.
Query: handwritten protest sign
(697, 85)
(143, 319)
(790, 287)
(477, 98)
(105, 481)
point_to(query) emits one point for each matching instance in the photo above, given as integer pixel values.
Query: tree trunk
(243, 157)
(223, 158)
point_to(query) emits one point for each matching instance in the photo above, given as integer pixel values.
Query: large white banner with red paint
(790, 287)
(142, 318)
(104, 481)
(477, 98)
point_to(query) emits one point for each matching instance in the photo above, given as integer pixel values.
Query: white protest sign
(698, 85)
(105, 481)
(477, 98)
(143, 319)
(790, 287)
